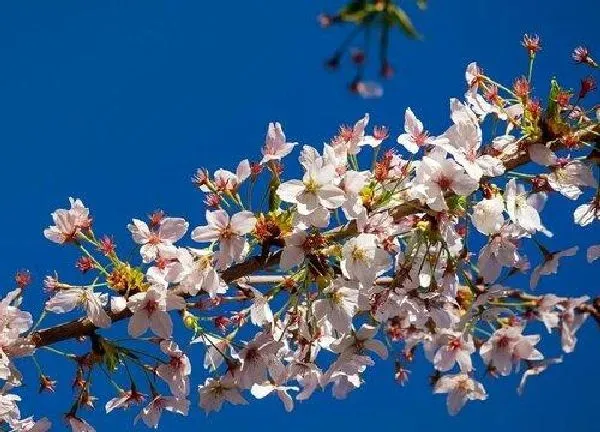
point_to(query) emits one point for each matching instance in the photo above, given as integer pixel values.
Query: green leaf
(552, 109)
(457, 204)
(397, 17)
(355, 11)
(111, 356)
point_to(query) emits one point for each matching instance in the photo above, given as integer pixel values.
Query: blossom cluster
(360, 260)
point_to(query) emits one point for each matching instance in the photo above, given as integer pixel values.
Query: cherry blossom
(547, 310)
(124, 400)
(437, 175)
(154, 242)
(488, 215)
(520, 208)
(507, 347)
(198, 273)
(8, 407)
(550, 264)
(359, 342)
(362, 260)
(500, 251)
(567, 177)
(229, 231)
(293, 253)
(225, 181)
(339, 305)
(216, 391)
(353, 138)
(150, 311)
(451, 348)
(463, 141)
(586, 213)
(67, 300)
(151, 414)
(415, 135)
(276, 146)
(176, 372)
(215, 349)
(571, 321)
(79, 425)
(68, 223)
(259, 391)
(460, 388)
(315, 195)
(257, 358)
(536, 367)
(30, 425)
(311, 278)
(260, 312)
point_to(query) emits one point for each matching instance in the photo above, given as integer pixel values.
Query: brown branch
(83, 327)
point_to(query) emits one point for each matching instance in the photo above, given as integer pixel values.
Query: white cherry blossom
(415, 135)
(150, 311)
(152, 413)
(353, 138)
(276, 147)
(216, 391)
(570, 321)
(460, 388)
(79, 425)
(437, 175)
(261, 390)
(229, 232)
(450, 348)
(177, 370)
(507, 347)
(501, 251)
(316, 193)
(161, 240)
(488, 215)
(339, 305)
(68, 223)
(362, 260)
(93, 304)
(550, 265)
(520, 207)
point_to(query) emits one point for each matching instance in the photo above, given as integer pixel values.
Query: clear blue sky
(119, 102)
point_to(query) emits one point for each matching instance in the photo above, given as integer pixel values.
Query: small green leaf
(111, 356)
(552, 109)
(457, 204)
(355, 11)
(397, 17)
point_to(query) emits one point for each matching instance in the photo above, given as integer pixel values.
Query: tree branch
(83, 327)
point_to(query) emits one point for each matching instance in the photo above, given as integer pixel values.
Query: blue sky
(119, 103)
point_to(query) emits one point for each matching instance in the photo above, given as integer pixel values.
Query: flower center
(151, 306)
(227, 232)
(358, 254)
(454, 344)
(503, 342)
(311, 186)
(176, 362)
(421, 138)
(444, 182)
(154, 239)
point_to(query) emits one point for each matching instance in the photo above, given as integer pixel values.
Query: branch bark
(83, 327)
